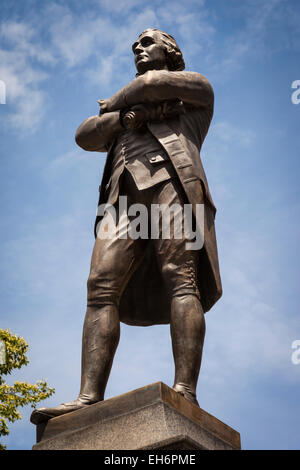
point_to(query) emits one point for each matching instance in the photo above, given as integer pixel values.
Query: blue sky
(56, 59)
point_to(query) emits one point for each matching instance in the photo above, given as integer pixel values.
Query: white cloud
(30, 111)
(262, 33)
(226, 133)
(65, 162)
(24, 39)
(76, 39)
(247, 330)
(22, 76)
(120, 6)
(22, 92)
(71, 39)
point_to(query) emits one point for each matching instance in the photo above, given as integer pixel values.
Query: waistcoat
(142, 155)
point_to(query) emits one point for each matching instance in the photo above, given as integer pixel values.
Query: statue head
(156, 50)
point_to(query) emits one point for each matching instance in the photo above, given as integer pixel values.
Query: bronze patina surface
(152, 130)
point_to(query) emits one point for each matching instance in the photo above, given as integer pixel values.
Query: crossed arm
(152, 88)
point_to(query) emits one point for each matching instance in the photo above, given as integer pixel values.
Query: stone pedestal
(151, 417)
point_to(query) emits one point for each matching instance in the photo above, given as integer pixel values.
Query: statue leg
(187, 333)
(101, 332)
(187, 322)
(113, 263)
(179, 270)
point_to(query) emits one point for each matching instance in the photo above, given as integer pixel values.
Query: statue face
(149, 53)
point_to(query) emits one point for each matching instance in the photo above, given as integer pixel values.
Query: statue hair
(174, 56)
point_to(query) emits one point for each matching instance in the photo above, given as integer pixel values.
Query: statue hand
(141, 113)
(136, 116)
(103, 106)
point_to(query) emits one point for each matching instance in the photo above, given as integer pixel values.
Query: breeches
(116, 258)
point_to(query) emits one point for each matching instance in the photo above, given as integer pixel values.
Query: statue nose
(139, 48)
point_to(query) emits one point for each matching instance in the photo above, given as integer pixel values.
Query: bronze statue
(153, 130)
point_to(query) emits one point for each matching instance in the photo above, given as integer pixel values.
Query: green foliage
(20, 393)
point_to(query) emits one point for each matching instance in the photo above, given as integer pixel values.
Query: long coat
(145, 301)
